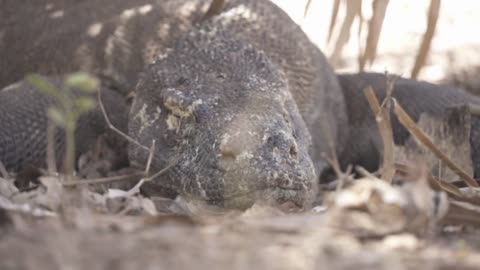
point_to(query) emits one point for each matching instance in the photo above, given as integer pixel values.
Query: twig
(410, 125)
(112, 127)
(374, 30)
(474, 109)
(3, 171)
(462, 213)
(385, 128)
(150, 158)
(162, 171)
(432, 19)
(361, 170)
(307, 7)
(333, 19)
(436, 183)
(51, 157)
(342, 177)
(354, 10)
(104, 180)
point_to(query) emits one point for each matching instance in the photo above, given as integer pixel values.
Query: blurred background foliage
(432, 40)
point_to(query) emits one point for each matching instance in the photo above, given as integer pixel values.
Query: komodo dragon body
(112, 39)
(364, 145)
(234, 99)
(23, 118)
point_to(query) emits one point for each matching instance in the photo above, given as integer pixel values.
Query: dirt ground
(67, 228)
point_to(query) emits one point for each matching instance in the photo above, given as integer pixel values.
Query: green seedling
(68, 108)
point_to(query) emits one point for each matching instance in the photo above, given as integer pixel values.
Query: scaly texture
(111, 39)
(24, 124)
(364, 145)
(234, 99)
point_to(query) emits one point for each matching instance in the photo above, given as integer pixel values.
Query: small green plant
(68, 107)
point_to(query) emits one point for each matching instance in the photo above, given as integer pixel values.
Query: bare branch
(374, 30)
(385, 129)
(3, 171)
(112, 127)
(433, 13)
(410, 125)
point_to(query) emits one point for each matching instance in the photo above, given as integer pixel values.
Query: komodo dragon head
(222, 111)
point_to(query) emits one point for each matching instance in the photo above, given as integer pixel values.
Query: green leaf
(56, 116)
(44, 86)
(84, 104)
(82, 81)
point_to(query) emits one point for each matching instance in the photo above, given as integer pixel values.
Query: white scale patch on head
(145, 119)
(187, 9)
(48, 7)
(245, 155)
(127, 13)
(172, 122)
(237, 13)
(163, 29)
(84, 57)
(241, 11)
(119, 40)
(95, 29)
(57, 14)
(164, 54)
(141, 10)
(145, 9)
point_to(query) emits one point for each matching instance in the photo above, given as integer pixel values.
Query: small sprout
(84, 104)
(56, 116)
(83, 81)
(44, 86)
(70, 105)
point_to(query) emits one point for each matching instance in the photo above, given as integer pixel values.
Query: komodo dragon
(364, 145)
(231, 104)
(232, 98)
(243, 104)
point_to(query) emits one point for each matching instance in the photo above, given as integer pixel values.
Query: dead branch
(374, 30)
(128, 177)
(307, 7)
(432, 19)
(3, 171)
(354, 10)
(333, 19)
(51, 156)
(115, 129)
(385, 128)
(425, 140)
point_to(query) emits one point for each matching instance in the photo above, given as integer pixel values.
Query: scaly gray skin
(364, 146)
(234, 100)
(24, 124)
(113, 39)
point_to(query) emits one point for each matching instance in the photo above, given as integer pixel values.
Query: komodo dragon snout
(223, 112)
